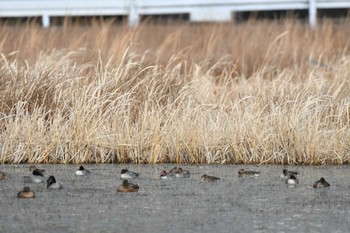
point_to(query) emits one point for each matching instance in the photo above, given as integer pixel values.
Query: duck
(173, 170)
(242, 172)
(292, 180)
(26, 193)
(126, 174)
(33, 167)
(285, 173)
(205, 177)
(321, 183)
(2, 175)
(52, 184)
(127, 187)
(166, 175)
(180, 173)
(35, 177)
(82, 171)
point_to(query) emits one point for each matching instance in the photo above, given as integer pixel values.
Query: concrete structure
(198, 10)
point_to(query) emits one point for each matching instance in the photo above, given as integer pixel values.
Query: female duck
(321, 183)
(180, 173)
(127, 187)
(26, 193)
(52, 184)
(209, 178)
(2, 175)
(242, 172)
(82, 171)
(173, 170)
(126, 174)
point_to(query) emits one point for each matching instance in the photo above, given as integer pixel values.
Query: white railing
(199, 10)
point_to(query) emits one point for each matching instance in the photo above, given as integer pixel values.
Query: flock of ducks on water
(37, 176)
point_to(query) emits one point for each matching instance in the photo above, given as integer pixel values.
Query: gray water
(234, 204)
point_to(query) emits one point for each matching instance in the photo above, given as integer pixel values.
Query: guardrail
(199, 10)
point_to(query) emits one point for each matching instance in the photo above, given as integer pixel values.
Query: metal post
(45, 20)
(134, 17)
(312, 13)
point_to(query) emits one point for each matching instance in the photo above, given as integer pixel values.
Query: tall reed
(258, 93)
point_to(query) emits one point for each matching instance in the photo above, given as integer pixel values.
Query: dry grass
(260, 92)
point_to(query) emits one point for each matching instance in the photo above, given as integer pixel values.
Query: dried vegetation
(254, 93)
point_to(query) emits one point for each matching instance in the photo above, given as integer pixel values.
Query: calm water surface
(234, 204)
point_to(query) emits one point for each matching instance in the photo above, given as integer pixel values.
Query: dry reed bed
(259, 93)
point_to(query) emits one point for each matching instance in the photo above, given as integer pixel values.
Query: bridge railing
(198, 10)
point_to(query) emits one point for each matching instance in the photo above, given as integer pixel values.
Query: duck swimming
(35, 177)
(127, 187)
(321, 183)
(165, 175)
(26, 193)
(33, 167)
(173, 170)
(286, 173)
(126, 174)
(242, 172)
(82, 171)
(292, 180)
(52, 184)
(2, 175)
(180, 173)
(209, 178)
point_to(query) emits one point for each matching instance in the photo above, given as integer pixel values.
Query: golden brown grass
(259, 92)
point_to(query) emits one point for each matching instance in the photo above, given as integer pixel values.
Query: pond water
(234, 204)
